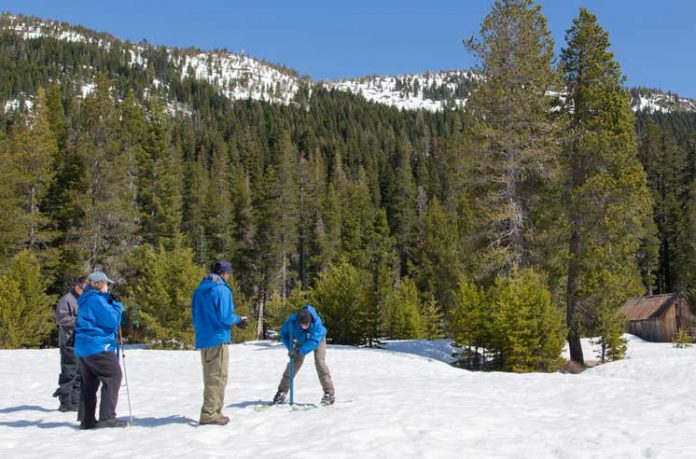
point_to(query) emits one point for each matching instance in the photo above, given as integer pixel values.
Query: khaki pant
(215, 365)
(319, 363)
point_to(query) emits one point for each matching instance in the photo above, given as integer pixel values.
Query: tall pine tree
(607, 194)
(515, 136)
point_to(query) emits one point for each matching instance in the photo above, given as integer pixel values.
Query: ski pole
(125, 375)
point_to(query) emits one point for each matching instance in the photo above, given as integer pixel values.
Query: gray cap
(99, 276)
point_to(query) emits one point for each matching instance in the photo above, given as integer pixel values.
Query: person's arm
(224, 304)
(285, 334)
(107, 316)
(64, 314)
(316, 334)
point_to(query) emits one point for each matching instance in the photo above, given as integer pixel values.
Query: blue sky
(652, 40)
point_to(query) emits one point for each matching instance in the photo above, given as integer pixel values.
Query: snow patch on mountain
(656, 101)
(17, 105)
(51, 29)
(431, 91)
(238, 77)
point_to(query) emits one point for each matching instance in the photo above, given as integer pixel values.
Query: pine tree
(159, 183)
(341, 294)
(12, 234)
(160, 291)
(610, 327)
(288, 187)
(667, 176)
(195, 207)
(438, 259)
(433, 324)
(527, 328)
(470, 323)
(34, 150)
(245, 259)
(515, 136)
(26, 315)
(218, 206)
(326, 238)
(607, 196)
(56, 115)
(402, 312)
(402, 206)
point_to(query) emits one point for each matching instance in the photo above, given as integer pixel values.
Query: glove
(113, 297)
(293, 354)
(243, 324)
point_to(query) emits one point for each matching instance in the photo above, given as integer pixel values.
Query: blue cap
(222, 266)
(99, 276)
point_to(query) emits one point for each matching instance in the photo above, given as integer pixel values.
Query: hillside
(389, 405)
(241, 77)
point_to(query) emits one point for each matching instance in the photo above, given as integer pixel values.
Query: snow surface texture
(389, 405)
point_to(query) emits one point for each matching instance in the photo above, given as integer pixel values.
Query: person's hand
(293, 354)
(113, 297)
(244, 323)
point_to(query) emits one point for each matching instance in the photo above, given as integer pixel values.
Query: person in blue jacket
(212, 309)
(96, 345)
(302, 333)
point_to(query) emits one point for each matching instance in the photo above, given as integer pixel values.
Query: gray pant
(70, 377)
(215, 365)
(319, 363)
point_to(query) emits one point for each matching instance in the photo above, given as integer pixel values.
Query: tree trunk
(259, 327)
(572, 311)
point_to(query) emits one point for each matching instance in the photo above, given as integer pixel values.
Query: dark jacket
(212, 312)
(307, 340)
(98, 319)
(66, 315)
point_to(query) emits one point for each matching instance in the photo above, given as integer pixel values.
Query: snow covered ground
(389, 405)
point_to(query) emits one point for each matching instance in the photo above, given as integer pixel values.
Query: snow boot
(65, 408)
(222, 421)
(279, 398)
(328, 399)
(106, 423)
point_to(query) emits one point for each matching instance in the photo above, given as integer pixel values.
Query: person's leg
(284, 385)
(109, 371)
(75, 392)
(68, 368)
(323, 369)
(215, 362)
(88, 395)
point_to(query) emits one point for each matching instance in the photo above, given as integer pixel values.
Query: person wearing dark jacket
(96, 344)
(212, 311)
(68, 391)
(302, 333)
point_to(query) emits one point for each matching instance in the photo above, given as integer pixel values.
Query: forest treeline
(515, 224)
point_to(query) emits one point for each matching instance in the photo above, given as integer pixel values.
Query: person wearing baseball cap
(96, 339)
(212, 311)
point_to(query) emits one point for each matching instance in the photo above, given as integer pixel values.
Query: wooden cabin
(657, 317)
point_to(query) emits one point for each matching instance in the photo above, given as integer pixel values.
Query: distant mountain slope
(430, 90)
(238, 77)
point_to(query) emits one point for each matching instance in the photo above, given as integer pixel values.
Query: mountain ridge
(241, 77)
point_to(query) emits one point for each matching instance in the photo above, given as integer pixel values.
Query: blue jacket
(307, 340)
(96, 328)
(212, 311)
